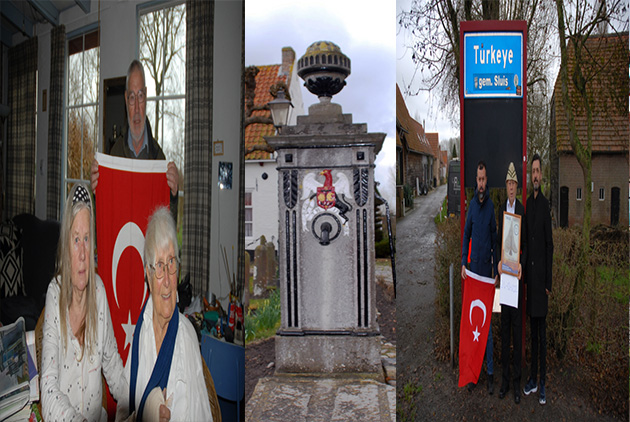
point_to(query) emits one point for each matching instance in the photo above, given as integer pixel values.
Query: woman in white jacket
(164, 365)
(78, 338)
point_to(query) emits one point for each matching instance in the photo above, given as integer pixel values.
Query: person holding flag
(138, 141)
(481, 230)
(511, 317)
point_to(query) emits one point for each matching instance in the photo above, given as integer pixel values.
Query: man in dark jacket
(138, 141)
(481, 228)
(538, 277)
(511, 317)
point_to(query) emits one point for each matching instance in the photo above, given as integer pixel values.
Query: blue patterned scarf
(162, 368)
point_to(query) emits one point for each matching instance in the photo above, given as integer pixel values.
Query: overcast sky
(425, 106)
(365, 32)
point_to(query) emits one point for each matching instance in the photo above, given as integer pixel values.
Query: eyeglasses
(172, 265)
(141, 96)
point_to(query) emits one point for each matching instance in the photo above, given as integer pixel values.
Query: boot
(490, 384)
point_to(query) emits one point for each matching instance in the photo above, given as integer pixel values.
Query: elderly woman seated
(78, 339)
(164, 365)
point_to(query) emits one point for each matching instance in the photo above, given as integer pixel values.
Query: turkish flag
(473, 329)
(128, 192)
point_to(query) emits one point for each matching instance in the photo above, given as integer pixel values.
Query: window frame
(578, 194)
(249, 192)
(602, 194)
(65, 180)
(144, 9)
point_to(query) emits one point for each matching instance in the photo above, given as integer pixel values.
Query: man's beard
(481, 195)
(536, 186)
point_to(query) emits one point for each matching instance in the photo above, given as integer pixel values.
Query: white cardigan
(186, 387)
(72, 390)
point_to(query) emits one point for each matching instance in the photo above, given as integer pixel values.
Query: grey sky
(365, 31)
(425, 105)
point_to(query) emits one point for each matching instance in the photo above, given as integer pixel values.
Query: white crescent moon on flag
(479, 304)
(129, 235)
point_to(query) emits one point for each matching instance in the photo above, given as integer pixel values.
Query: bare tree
(83, 78)
(574, 29)
(576, 24)
(433, 29)
(162, 50)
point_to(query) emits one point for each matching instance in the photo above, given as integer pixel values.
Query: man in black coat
(538, 277)
(511, 317)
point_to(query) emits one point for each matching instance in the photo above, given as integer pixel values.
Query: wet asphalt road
(416, 286)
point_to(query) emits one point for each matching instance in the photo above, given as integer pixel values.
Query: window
(579, 194)
(163, 54)
(601, 194)
(249, 213)
(82, 108)
(162, 50)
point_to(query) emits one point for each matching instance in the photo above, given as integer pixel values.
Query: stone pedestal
(326, 244)
(328, 353)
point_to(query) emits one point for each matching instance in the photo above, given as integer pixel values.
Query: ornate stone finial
(324, 69)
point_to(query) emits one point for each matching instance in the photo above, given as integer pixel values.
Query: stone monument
(326, 244)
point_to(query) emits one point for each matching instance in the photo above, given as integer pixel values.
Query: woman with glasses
(78, 342)
(164, 365)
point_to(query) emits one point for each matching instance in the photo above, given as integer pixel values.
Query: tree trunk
(490, 10)
(582, 154)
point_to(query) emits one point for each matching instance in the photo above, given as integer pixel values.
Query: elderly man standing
(481, 228)
(511, 320)
(538, 278)
(138, 142)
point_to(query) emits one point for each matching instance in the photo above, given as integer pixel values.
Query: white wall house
(261, 176)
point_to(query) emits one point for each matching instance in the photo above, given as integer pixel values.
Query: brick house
(434, 141)
(261, 178)
(610, 132)
(414, 156)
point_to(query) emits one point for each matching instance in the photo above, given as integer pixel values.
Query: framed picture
(511, 250)
(218, 148)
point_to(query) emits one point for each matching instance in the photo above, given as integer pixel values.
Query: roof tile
(267, 76)
(415, 136)
(608, 89)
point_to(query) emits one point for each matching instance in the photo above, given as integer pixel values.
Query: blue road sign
(493, 64)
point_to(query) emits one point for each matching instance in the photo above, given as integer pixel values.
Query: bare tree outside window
(163, 54)
(82, 109)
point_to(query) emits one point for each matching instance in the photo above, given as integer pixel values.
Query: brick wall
(415, 169)
(608, 171)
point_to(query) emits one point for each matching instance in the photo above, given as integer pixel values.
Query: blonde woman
(78, 338)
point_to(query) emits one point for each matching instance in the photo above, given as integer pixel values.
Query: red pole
(524, 28)
(462, 184)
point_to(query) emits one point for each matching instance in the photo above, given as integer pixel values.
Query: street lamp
(280, 108)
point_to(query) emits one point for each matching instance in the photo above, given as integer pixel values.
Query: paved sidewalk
(299, 398)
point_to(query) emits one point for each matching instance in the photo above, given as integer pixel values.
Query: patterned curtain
(55, 119)
(198, 158)
(240, 275)
(20, 195)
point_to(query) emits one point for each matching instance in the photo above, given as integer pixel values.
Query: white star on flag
(476, 334)
(128, 328)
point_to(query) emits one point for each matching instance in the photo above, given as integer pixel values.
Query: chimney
(288, 58)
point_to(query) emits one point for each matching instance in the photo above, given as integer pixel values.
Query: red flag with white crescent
(128, 192)
(475, 322)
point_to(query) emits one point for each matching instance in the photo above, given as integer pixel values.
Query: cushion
(11, 281)
(39, 250)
